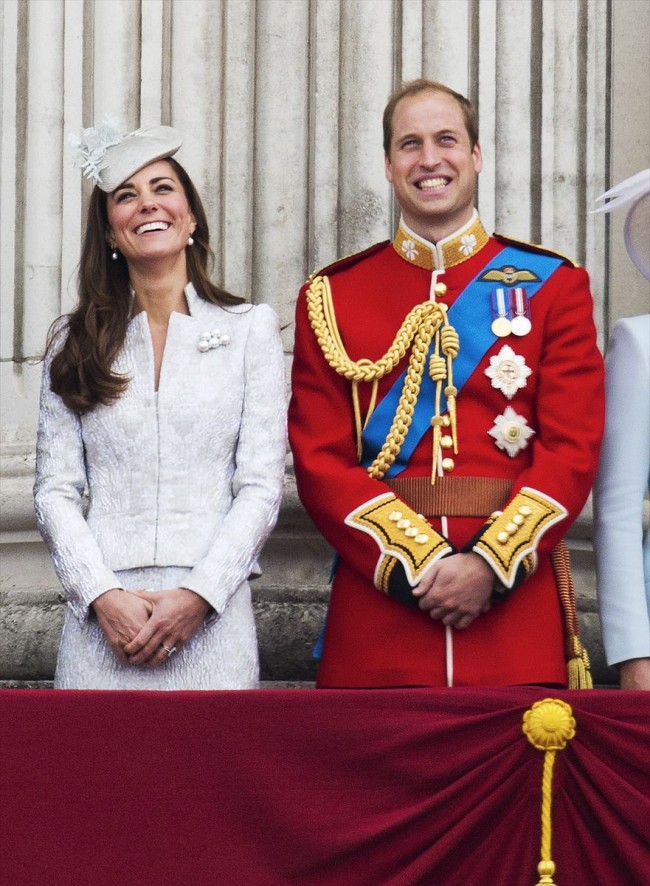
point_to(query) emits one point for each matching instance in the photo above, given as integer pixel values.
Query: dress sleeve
(568, 415)
(259, 469)
(383, 539)
(59, 502)
(621, 484)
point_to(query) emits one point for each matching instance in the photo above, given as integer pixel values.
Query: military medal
(501, 325)
(508, 371)
(520, 324)
(511, 432)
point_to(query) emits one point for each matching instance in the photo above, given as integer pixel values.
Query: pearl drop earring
(190, 240)
(114, 254)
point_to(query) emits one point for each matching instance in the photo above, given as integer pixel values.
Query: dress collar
(450, 251)
(194, 302)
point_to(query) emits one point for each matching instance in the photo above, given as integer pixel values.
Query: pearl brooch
(213, 339)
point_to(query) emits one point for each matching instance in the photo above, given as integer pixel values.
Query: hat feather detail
(89, 148)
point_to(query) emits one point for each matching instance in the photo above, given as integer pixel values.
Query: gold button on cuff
(411, 532)
(448, 464)
(511, 528)
(421, 539)
(446, 441)
(394, 516)
(525, 511)
(518, 519)
(403, 524)
(503, 538)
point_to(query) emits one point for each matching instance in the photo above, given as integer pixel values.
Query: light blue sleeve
(622, 553)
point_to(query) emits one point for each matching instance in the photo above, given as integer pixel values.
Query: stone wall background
(280, 102)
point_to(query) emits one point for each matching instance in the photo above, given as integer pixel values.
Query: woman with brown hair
(163, 405)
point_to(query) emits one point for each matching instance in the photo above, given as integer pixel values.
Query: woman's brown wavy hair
(81, 371)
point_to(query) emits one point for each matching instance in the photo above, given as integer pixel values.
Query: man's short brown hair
(414, 87)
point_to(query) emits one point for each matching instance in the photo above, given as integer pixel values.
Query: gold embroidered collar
(453, 250)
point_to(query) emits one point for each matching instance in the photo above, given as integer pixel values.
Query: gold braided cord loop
(408, 399)
(437, 367)
(450, 342)
(548, 725)
(323, 322)
(417, 331)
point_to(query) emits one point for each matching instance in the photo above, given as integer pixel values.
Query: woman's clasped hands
(144, 628)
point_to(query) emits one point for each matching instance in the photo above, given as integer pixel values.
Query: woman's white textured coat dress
(183, 487)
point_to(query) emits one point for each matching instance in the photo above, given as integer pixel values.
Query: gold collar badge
(447, 253)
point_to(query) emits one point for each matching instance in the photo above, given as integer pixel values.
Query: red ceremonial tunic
(372, 639)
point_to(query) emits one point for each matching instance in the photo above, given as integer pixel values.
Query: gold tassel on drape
(548, 726)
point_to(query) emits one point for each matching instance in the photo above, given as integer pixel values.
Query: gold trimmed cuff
(512, 538)
(401, 535)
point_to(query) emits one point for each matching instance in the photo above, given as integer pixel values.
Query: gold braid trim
(401, 534)
(417, 331)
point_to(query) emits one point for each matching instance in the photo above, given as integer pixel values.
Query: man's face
(431, 165)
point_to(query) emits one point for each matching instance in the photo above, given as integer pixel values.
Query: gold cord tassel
(450, 394)
(450, 348)
(357, 416)
(578, 667)
(438, 373)
(548, 726)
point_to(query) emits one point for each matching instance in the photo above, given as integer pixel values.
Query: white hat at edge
(634, 193)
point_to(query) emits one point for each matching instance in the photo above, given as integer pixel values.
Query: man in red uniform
(445, 422)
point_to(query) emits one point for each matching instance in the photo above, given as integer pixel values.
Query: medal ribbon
(471, 316)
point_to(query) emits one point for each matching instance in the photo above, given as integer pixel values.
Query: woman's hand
(177, 615)
(635, 674)
(121, 615)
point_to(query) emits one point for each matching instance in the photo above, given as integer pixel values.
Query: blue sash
(471, 315)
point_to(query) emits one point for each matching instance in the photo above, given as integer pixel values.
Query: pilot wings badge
(509, 275)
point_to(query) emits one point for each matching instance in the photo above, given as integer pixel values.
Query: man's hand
(456, 589)
(121, 615)
(177, 615)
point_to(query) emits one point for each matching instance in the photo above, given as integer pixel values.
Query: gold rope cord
(322, 319)
(578, 667)
(408, 399)
(548, 725)
(417, 330)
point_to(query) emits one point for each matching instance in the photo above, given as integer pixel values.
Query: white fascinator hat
(633, 193)
(109, 157)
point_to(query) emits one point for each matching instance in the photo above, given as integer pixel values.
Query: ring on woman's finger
(169, 651)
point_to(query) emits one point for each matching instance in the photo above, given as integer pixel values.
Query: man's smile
(432, 184)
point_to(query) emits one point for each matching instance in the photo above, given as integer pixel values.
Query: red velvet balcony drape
(316, 788)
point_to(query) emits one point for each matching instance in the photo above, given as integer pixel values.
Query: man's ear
(477, 156)
(388, 168)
